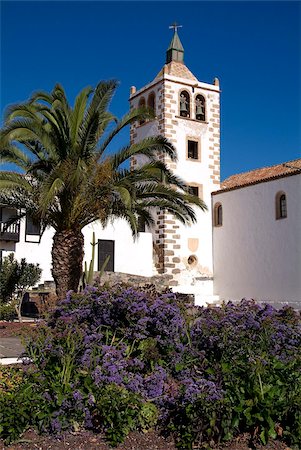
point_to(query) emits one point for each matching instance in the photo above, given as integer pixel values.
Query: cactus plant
(87, 276)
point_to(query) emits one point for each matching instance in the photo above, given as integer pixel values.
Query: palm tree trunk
(67, 260)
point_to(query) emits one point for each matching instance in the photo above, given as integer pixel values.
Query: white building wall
(131, 256)
(33, 251)
(255, 255)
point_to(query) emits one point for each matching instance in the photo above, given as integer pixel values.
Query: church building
(248, 242)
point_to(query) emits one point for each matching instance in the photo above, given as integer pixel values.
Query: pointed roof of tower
(175, 51)
(175, 58)
(175, 43)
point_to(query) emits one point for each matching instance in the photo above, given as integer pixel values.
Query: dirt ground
(12, 329)
(86, 440)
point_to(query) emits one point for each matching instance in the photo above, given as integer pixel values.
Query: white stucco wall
(255, 255)
(33, 252)
(133, 257)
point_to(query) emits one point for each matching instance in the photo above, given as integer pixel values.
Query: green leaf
(263, 437)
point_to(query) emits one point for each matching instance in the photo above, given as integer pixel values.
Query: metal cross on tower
(175, 26)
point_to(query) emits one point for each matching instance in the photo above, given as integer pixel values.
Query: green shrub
(10, 378)
(17, 276)
(19, 406)
(7, 312)
(116, 410)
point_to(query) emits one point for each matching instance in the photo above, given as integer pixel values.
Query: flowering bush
(255, 350)
(123, 359)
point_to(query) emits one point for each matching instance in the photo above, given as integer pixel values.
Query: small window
(184, 104)
(281, 205)
(193, 190)
(193, 150)
(141, 105)
(32, 227)
(106, 248)
(151, 101)
(218, 215)
(200, 112)
(141, 224)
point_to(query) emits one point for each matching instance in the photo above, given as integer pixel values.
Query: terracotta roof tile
(260, 175)
(177, 69)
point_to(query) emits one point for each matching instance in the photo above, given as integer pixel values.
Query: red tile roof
(260, 175)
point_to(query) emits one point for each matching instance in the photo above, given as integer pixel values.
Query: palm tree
(69, 180)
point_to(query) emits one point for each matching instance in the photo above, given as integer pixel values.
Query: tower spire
(175, 51)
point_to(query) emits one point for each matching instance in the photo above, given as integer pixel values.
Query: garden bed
(86, 440)
(13, 329)
(110, 367)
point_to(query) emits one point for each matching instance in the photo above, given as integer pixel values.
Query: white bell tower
(188, 114)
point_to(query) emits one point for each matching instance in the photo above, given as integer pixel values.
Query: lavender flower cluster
(145, 345)
(248, 329)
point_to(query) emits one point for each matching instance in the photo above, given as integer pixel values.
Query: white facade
(132, 257)
(256, 255)
(31, 249)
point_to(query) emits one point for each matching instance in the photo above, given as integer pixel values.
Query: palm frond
(96, 118)
(51, 188)
(79, 112)
(24, 129)
(13, 154)
(14, 180)
(127, 119)
(25, 110)
(152, 147)
(158, 171)
(102, 96)
(125, 195)
(43, 96)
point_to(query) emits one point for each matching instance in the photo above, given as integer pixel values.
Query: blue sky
(252, 47)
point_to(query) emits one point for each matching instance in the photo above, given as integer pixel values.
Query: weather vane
(175, 26)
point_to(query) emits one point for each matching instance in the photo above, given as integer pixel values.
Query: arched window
(281, 205)
(151, 101)
(141, 104)
(200, 108)
(184, 104)
(218, 215)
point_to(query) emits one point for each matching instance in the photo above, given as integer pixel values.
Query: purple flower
(97, 376)
(77, 396)
(154, 383)
(55, 426)
(88, 418)
(47, 397)
(91, 399)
